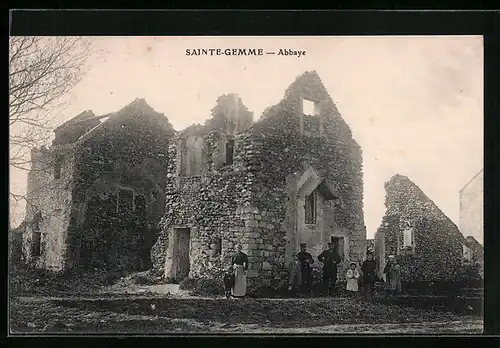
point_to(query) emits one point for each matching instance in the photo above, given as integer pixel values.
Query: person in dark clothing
(369, 269)
(228, 281)
(295, 278)
(330, 258)
(393, 273)
(306, 260)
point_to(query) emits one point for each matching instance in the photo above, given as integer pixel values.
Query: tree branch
(42, 70)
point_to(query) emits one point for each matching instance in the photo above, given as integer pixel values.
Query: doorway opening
(182, 236)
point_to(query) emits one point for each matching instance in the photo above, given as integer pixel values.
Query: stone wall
(205, 204)
(253, 201)
(282, 147)
(82, 209)
(125, 156)
(437, 251)
(51, 196)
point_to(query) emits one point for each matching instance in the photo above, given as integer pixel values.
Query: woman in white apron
(240, 267)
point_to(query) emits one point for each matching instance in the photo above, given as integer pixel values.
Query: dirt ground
(125, 307)
(156, 314)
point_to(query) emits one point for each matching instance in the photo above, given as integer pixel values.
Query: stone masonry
(288, 178)
(96, 195)
(428, 244)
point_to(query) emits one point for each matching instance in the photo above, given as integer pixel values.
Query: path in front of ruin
(171, 292)
(133, 291)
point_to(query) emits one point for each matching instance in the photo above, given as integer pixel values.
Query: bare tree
(42, 70)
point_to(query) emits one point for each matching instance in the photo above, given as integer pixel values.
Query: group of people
(301, 276)
(301, 273)
(301, 269)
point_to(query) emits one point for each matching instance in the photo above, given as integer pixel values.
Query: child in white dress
(352, 276)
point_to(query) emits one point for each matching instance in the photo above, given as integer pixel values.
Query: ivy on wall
(437, 255)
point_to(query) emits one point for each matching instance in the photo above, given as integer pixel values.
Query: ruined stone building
(96, 195)
(293, 176)
(429, 246)
(472, 208)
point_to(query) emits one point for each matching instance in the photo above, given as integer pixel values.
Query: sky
(414, 104)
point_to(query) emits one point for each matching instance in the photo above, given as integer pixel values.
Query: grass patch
(188, 283)
(207, 287)
(26, 281)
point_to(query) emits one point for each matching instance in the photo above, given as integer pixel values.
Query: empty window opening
(57, 167)
(310, 208)
(309, 108)
(408, 238)
(36, 245)
(229, 152)
(467, 253)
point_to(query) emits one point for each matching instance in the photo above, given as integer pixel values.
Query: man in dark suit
(330, 259)
(306, 260)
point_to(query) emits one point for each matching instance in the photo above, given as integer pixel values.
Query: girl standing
(352, 279)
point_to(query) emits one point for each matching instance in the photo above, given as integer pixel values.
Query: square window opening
(309, 108)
